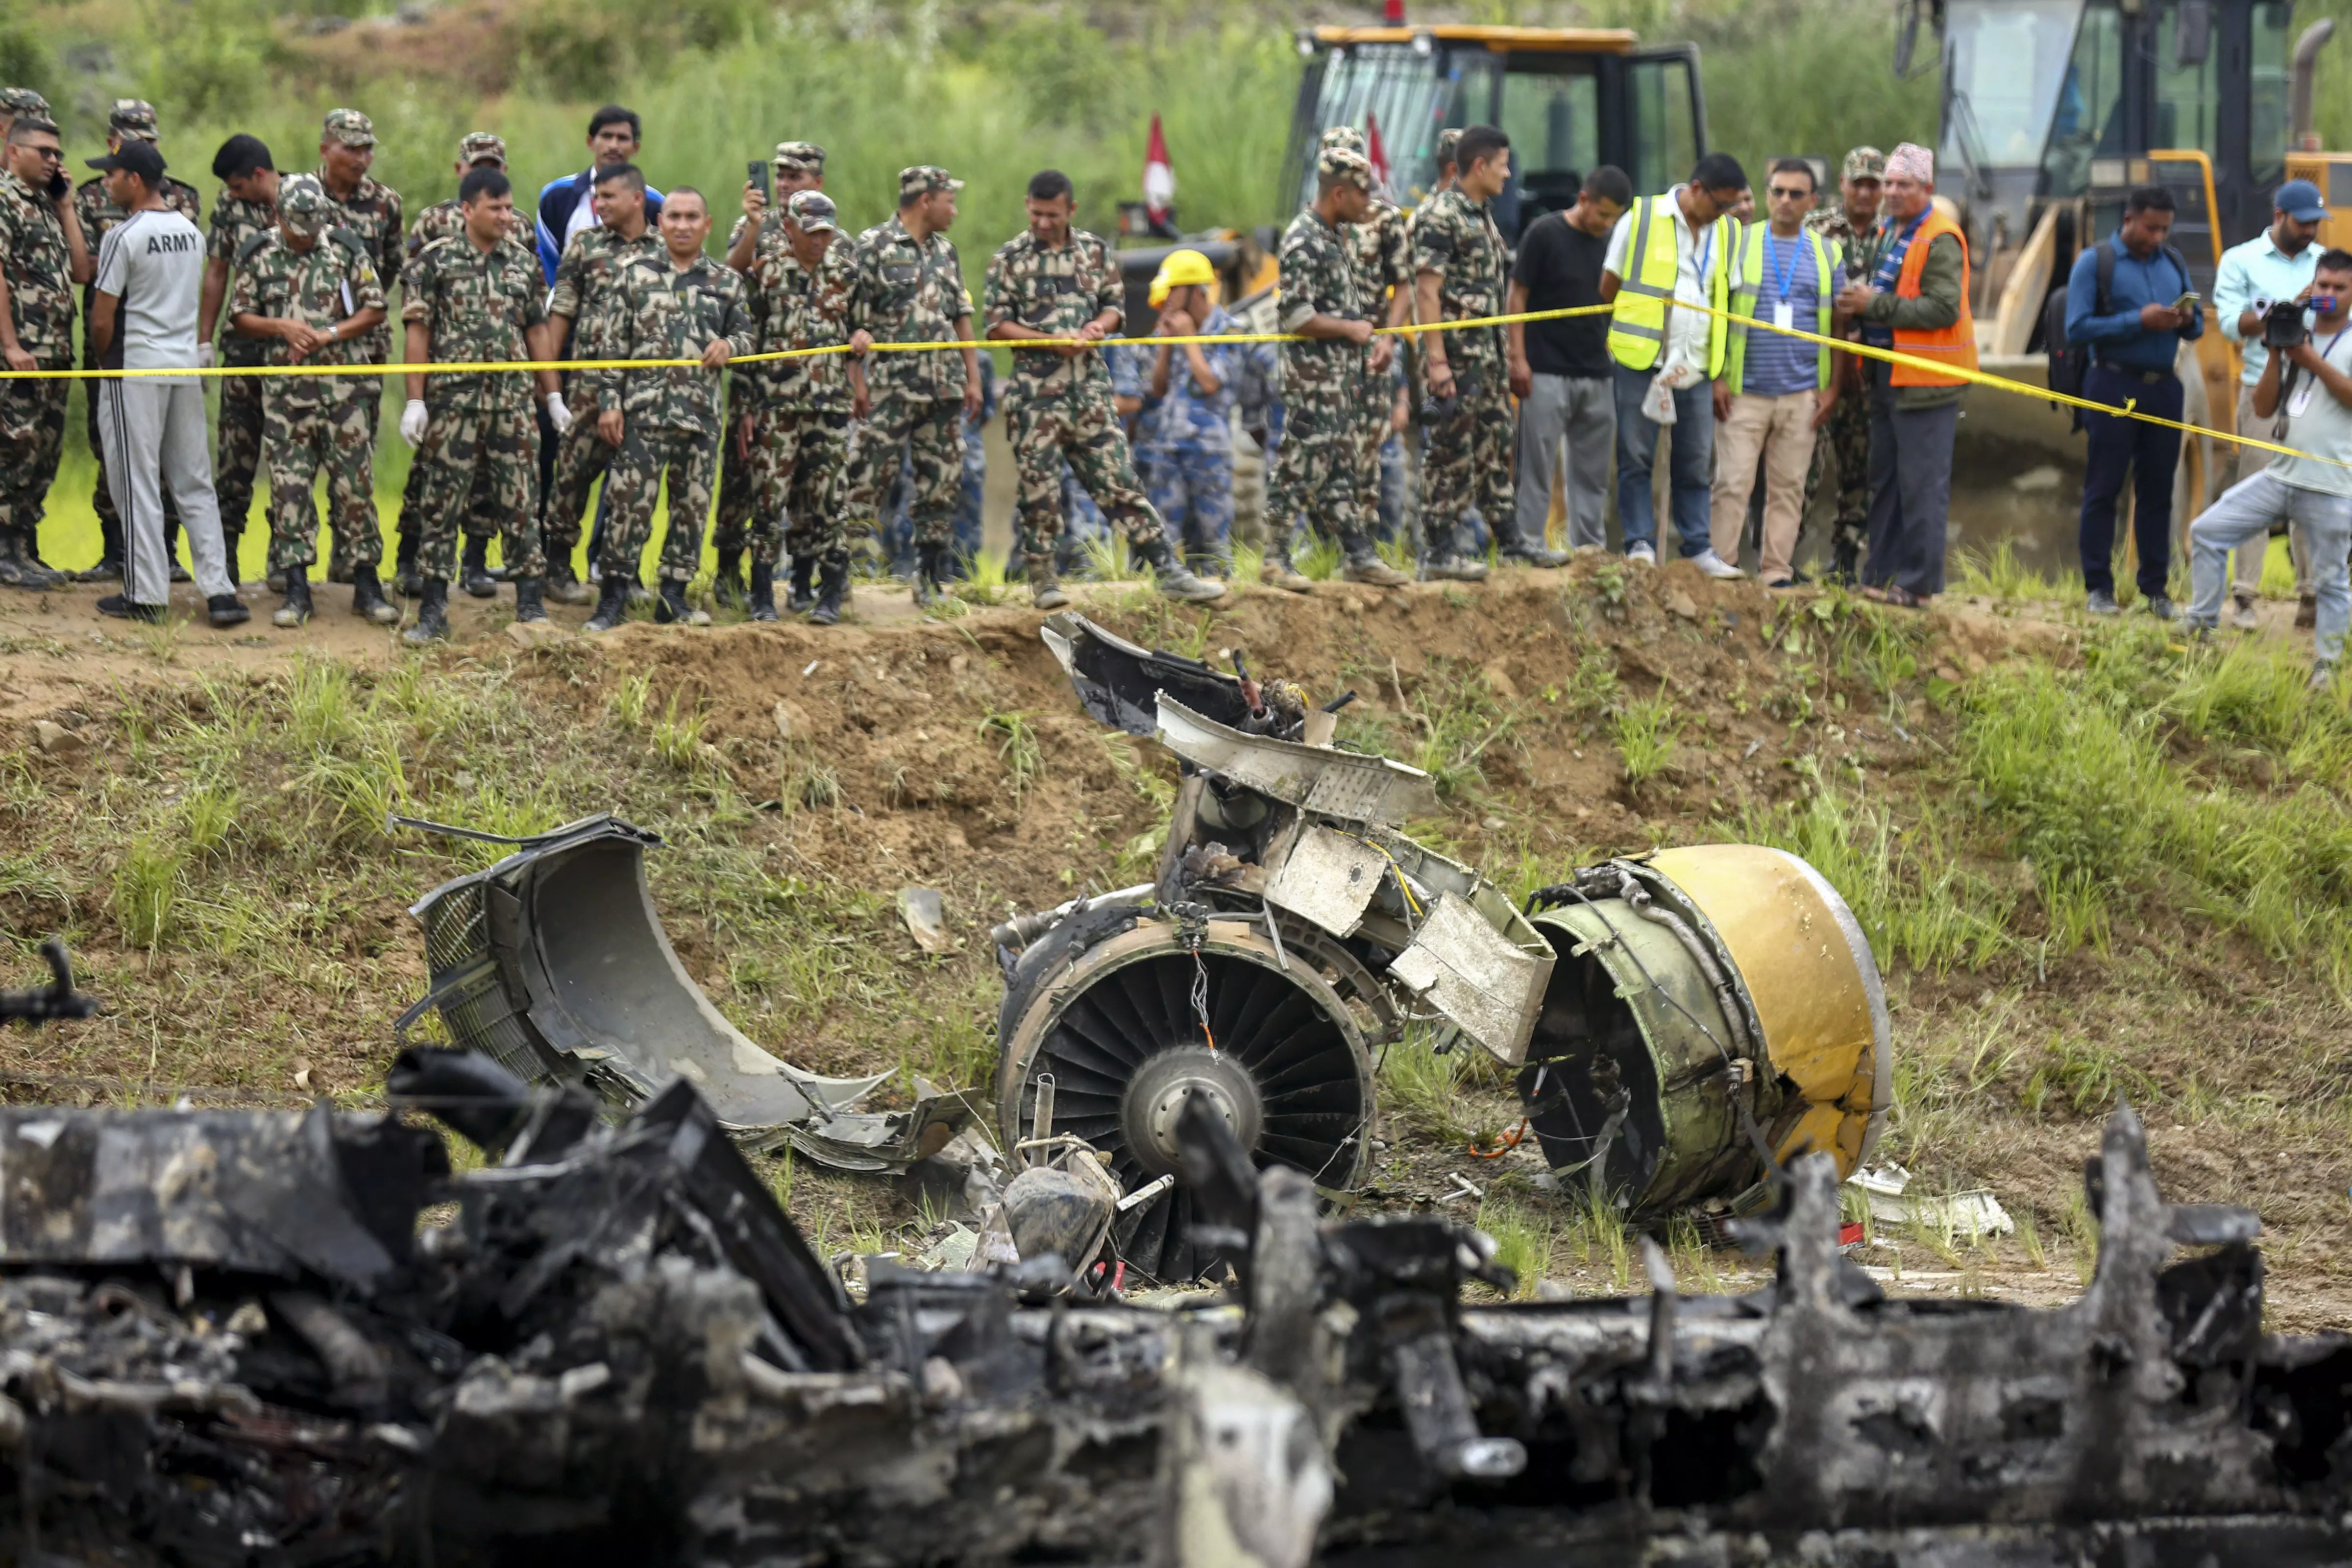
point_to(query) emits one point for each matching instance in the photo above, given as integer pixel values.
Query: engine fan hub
(1155, 1095)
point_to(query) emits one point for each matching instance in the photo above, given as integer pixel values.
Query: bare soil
(887, 752)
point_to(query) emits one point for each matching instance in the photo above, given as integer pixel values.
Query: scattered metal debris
(554, 964)
(926, 919)
(225, 1339)
(1679, 1022)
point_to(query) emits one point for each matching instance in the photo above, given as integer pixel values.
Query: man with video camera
(2306, 387)
(2276, 264)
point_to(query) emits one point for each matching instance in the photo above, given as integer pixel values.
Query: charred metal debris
(264, 1338)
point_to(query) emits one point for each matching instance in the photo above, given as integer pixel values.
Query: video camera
(2283, 324)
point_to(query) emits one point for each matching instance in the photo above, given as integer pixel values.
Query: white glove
(411, 422)
(557, 414)
(206, 356)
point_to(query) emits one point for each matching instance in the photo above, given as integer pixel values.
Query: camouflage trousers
(300, 439)
(932, 434)
(1047, 432)
(236, 453)
(483, 519)
(1845, 445)
(1374, 410)
(475, 465)
(366, 395)
(798, 458)
(1192, 487)
(1318, 470)
(32, 437)
(581, 455)
(1466, 462)
(690, 458)
(739, 486)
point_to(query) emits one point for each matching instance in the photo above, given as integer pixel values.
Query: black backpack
(2070, 363)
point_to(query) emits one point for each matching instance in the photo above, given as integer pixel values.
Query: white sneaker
(1642, 555)
(1715, 566)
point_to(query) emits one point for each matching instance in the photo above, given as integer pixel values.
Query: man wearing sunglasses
(1775, 391)
(42, 257)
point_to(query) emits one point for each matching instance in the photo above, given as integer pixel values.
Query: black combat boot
(671, 609)
(109, 555)
(295, 611)
(431, 615)
(475, 573)
(529, 604)
(612, 604)
(803, 594)
(1173, 578)
(404, 566)
(832, 581)
(930, 571)
(763, 592)
(226, 610)
(727, 588)
(368, 601)
(1045, 588)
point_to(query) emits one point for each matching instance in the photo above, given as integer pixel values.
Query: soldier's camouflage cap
(23, 100)
(1347, 165)
(1864, 163)
(350, 127)
(477, 146)
(812, 211)
(133, 117)
(302, 204)
(1346, 136)
(1447, 141)
(925, 178)
(805, 156)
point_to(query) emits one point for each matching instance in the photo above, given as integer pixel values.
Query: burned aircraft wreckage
(264, 1337)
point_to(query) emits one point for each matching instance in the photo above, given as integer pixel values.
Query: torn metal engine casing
(1677, 1023)
(554, 963)
(623, 1351)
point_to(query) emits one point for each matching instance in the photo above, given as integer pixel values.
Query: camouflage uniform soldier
(906, 287)
(447, 220)
(314, 288)
(1057, 283)
(1461, 271)
(41, 258)
(1323, 299)
(1380, 246)
(800, 440)
(20, 102)
(477, 297)
(131, 118)
(679, 305)
(242, 166)
(1846, 440)
(362, 205)
(757, 237)
(581, 307)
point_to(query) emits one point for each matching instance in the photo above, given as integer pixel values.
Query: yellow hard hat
(1182, 270)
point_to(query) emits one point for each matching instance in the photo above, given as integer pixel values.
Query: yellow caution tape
(1890, 356)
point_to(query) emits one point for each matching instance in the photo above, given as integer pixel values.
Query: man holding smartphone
(2311, 489)
(2130, 302)
(42, 257)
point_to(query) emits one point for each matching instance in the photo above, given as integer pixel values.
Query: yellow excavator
(2053, 111)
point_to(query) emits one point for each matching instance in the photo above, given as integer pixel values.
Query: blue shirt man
(2133, 344)
(567, 205)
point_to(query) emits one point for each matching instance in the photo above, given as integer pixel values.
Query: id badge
(1784, 317)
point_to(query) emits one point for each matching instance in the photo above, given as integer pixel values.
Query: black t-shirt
(1561, 266)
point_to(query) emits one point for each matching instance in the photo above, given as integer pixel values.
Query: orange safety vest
(1954, 345)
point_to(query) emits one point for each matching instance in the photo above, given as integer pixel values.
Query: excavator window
(1551, 112)
(1665, 132)
(2088, 127)
(2266, 146)
(2008, 63)
(2188, 92)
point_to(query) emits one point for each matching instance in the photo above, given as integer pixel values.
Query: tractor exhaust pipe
(2300, 137)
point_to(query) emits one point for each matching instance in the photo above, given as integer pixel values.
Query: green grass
(1647, 733)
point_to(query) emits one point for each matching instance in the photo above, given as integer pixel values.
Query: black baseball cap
(134, 157)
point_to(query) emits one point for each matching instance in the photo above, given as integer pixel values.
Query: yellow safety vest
(1645, 292)
(1747, 284)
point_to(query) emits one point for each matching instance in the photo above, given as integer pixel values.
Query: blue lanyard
(1787, 274)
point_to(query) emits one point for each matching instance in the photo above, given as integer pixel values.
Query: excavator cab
(1570, 99)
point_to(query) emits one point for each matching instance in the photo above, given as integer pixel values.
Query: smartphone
(2186, 303)
(758, 175)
